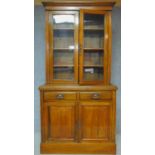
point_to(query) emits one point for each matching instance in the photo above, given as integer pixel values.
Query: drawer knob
(95, 96)
(60, 96)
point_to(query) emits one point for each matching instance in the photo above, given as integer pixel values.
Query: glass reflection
(63, 19)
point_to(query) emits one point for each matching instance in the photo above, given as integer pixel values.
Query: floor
(37, 144)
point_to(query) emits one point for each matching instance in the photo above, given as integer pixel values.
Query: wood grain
(109, 46)
(50, 51)
(96, 95)
(81, 46)
(82, 81)
(47, 43)
(79, 148)
(96, 127)
(78, 116)
(49, 95)
(39, 2)
(67, 87)
(78, 3)
(61, 124)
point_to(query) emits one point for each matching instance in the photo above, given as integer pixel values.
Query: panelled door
(95, 121)
(92, 47)
(61, 120)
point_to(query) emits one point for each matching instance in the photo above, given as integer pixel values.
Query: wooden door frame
(50, 48)
(78, 51)
(107, 47)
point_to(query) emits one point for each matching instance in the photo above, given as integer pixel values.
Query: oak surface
(39, 2)
(82, 116)
(78, 116)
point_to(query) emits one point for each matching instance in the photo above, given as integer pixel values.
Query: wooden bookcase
(78, 102)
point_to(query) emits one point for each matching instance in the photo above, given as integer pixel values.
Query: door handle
(60, 96)
(96, 96)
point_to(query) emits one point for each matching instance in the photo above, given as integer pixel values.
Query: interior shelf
(63, 65)
(94, 29)
(85, 49)
(100, 66)
(61, 49)
(93, 49)
(63, 29)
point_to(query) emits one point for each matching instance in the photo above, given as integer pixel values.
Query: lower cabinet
(78, 122)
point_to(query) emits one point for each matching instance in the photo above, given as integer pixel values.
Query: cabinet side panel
(47, 46)
(113, 132)
(109, 47)
(44, 119)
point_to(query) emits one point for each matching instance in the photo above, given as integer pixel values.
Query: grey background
(39, 67)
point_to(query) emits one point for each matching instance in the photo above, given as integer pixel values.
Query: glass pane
(63, 73)
(93, 47)
(63, 39)
(63, 46)
(93, 39)
(93, 58)
(93, 73)
(93, 21)
(93, 31)
(63, 57)
(63, 21)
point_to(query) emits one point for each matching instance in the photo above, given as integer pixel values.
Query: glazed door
(95, 121)
(92, 52)
(63, 39)
(61, 121)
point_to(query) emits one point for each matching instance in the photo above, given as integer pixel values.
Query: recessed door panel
(95, 121)
(61, 121)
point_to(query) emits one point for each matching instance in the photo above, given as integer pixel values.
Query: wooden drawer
(95, 95)
(59, 96)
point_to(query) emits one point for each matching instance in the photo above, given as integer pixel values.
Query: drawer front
(59, 96)
(95, 95)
